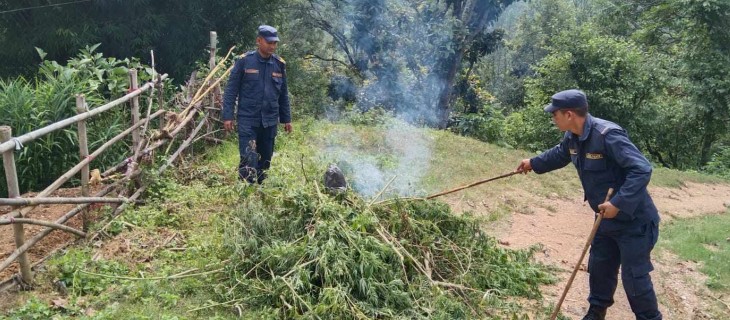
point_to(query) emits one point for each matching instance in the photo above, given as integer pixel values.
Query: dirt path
(561, 226)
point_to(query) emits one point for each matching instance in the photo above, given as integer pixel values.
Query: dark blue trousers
(630, 249)
(255, 146)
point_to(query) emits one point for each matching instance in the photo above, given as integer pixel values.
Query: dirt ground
(51, 242)
(561, 226)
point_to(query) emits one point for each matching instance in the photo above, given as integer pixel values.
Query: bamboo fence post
(83, 154)
(11, 177)
(212, 65)
(133, 86)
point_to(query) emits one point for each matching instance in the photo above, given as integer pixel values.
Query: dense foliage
(27, 105)
(176, 30)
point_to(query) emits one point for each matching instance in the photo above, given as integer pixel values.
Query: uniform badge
(594, 156)
(276, 75)
(573, 151)
(251, 71)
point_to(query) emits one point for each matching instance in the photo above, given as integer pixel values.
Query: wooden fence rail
(141, 146)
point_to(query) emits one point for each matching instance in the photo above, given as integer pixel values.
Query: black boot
(595, 313)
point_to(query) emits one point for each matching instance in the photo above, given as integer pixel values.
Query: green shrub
(51, 97)
(720, 163)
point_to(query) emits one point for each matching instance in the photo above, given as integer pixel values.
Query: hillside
(171, 258)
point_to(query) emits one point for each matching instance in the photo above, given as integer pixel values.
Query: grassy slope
(203, 193)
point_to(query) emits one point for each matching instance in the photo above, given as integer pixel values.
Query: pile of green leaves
(302, 253)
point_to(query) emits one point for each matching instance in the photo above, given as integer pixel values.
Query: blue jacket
(605, 158)
(260, 86)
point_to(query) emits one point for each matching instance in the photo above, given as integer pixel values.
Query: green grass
(670, 178)
(703, 240)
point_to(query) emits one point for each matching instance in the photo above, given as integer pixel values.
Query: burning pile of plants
(306, 254)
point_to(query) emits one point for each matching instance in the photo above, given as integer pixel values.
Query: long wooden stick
(472, 185)
(59, 200)
(582, 255)
(43, 223)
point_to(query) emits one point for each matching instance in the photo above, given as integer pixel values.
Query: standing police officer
(258, 81)
(606, 158)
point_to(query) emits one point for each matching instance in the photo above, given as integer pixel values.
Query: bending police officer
(605, 158)
(258, 83)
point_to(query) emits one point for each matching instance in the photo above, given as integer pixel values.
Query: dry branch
(59, 200)
(43, 223)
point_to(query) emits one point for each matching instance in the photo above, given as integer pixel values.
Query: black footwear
(595, 313)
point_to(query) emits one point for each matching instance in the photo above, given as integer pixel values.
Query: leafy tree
(537, 24)
(617, 76)
(407, 52)
(697, 33)
(176, 30)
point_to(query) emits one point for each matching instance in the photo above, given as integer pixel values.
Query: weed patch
(704, 240)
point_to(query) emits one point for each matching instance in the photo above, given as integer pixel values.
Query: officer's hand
(228, 125)
(287, 127)
(524, 166)
(608, 210)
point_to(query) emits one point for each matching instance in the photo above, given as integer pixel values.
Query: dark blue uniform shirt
(606, 158)
(260, 86)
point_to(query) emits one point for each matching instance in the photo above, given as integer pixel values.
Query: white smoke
(403, 160)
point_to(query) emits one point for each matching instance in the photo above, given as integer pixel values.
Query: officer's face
(266, 48)
(560, 118)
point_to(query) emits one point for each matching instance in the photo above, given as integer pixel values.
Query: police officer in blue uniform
(605, 158)
(258, 83)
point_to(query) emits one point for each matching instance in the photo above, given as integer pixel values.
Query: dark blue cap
(568, 99)
(268, 33)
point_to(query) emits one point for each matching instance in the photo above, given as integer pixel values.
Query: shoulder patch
(280, 59)
(243, 55)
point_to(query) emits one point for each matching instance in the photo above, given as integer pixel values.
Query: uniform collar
(587, 126)
(262, 59)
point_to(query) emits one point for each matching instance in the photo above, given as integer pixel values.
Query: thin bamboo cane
(60, 200)
(182, 147)
(43, 223)
(30, 136)
(11, 177)
(212, 72)
(225, 74)
(139, 192)
(73, 171)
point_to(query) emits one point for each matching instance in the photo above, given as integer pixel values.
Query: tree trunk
(451, 68)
